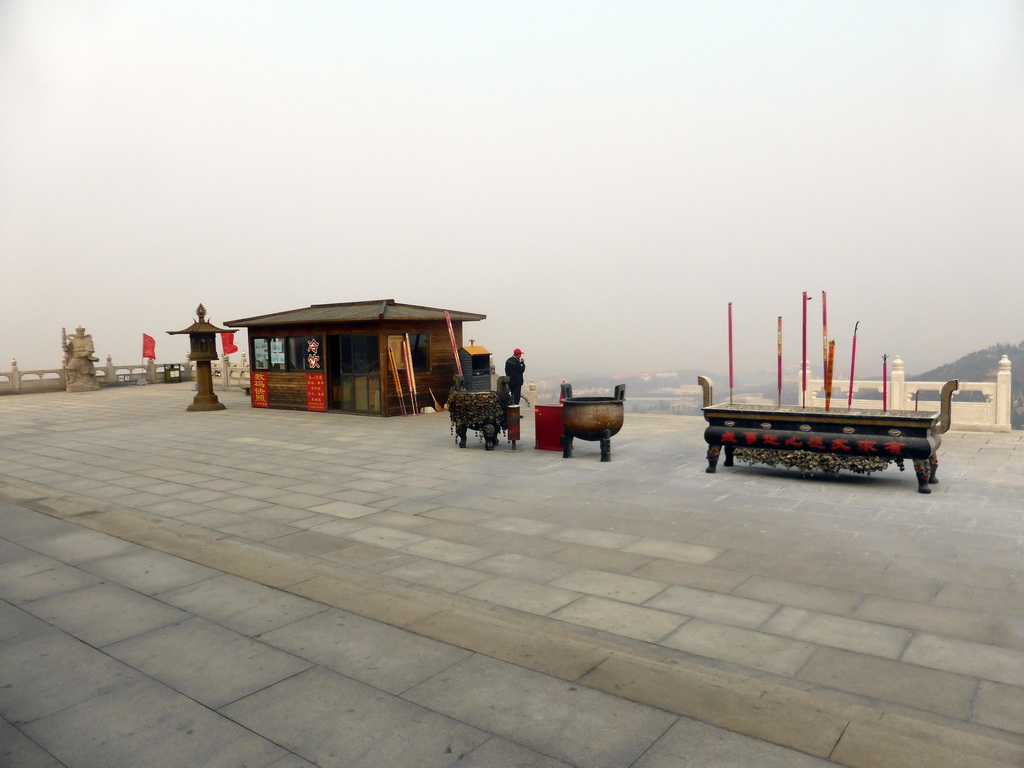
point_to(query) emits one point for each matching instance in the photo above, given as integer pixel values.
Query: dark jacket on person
(514, 369)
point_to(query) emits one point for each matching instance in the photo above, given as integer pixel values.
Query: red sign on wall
(316, 392)
(258, 390)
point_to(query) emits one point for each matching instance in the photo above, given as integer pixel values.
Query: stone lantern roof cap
(201, 325)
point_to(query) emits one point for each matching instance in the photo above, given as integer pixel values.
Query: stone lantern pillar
(202, 337)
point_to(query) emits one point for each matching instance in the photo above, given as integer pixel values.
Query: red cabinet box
(547, 425)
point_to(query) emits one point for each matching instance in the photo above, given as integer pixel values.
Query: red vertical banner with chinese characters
(258, 390)
(316, 392)
(313, 358)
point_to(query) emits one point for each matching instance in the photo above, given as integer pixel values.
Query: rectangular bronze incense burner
(816, 439)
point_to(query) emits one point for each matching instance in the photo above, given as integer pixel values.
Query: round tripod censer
(591, 418)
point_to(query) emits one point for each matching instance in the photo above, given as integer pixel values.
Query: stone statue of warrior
(79, 356)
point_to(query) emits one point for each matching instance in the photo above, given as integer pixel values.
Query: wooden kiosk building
(334, 357)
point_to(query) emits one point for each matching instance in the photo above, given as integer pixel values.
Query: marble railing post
(111, 375)
(1004, 394)
(15, 376)
(151, 370)
(898, 385)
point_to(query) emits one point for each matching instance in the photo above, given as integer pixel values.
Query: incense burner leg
(933, 461)
(606, 445)
(729, 451)
(566, 446)
(461, 433)
(489, 437)
(923, 470)
(713, 452)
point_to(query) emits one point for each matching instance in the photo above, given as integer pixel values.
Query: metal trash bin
(172, 373)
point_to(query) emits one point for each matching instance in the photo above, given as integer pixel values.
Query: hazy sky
(599, 178)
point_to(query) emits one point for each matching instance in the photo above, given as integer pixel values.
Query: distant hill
(979, 366)
(983, 365)
(641, 385)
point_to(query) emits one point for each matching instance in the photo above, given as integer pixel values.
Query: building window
(277, 362)
(261, 354)
(419, 344)
(288, 353)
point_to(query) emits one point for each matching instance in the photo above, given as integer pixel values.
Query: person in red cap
(514, 369)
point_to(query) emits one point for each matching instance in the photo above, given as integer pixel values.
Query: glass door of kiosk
(354, 364)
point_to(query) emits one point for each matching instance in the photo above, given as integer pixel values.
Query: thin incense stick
(803, 357)
(730, 353)
(853, 364)
(780, 360)
(885, 383)
(824, 335)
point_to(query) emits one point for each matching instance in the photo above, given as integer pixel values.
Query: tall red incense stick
(824, 336)
(853, 364)
(779, 355)
(803, 357)
(885, 383)
(829, 361)
(730, 353)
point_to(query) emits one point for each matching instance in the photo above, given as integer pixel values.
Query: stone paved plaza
(270, 588)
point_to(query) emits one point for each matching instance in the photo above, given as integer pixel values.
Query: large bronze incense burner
(817, 439)
(591, 418)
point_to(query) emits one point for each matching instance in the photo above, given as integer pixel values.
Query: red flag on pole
(227, 343)
(148, 347)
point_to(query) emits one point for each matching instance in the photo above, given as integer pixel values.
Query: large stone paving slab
(45, 670)
(147, 725)
(80, 546)
(385, 657)
(241, 605)
(208, 663)
(556, 718)
(149, 572)
(689, 744)
(34, 578)
(20, 525)
(620, 618)
(104, 613)
(19, 751)
(332, 720)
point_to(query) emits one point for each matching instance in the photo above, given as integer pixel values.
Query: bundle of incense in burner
(828, 373)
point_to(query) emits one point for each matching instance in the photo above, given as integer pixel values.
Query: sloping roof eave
(355, 312)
